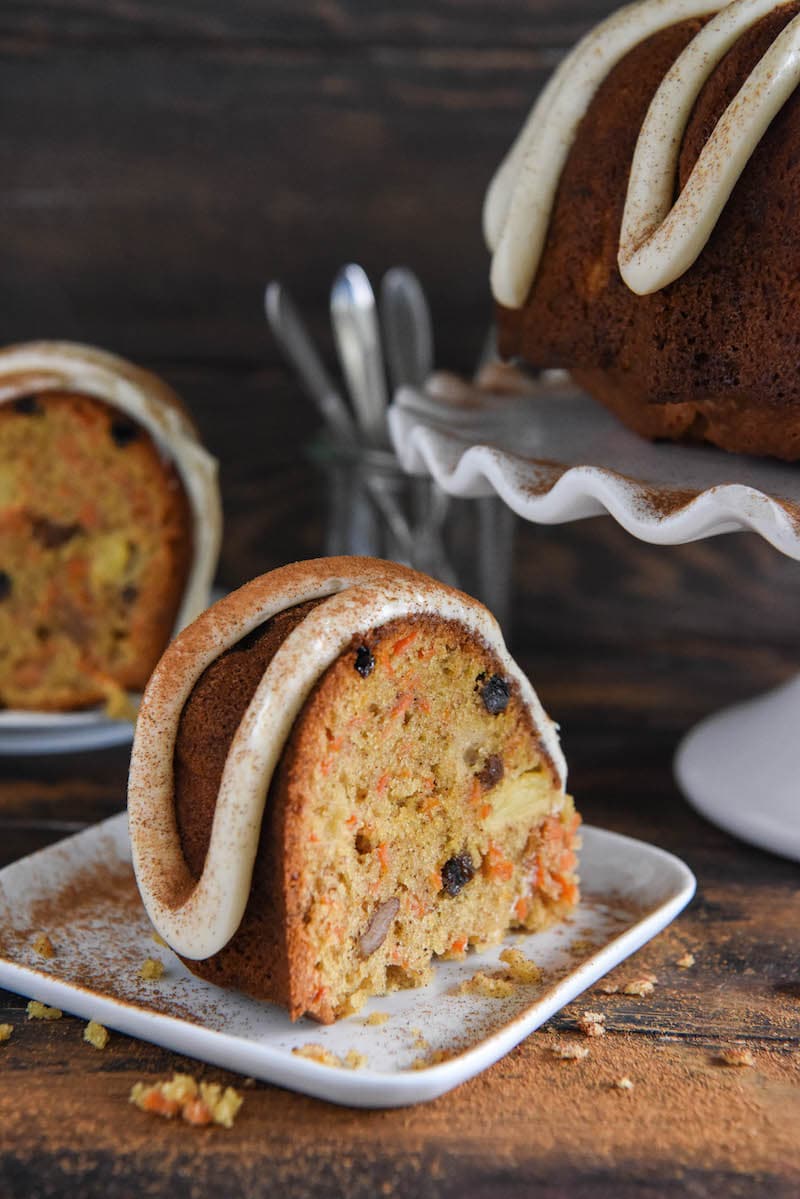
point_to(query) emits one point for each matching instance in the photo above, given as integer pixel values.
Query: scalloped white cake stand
(553, 455)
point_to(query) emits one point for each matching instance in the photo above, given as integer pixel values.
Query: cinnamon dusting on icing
(659, 241)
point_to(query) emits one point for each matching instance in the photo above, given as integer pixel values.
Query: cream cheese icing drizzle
(660, 240)
(65, 366)
(198, 918)
(657, 245)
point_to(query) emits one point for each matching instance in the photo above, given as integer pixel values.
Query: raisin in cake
(109, 525)
(644, 224)
(339, 774)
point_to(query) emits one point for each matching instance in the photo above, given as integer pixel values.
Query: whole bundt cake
(644, 226)
(109, 525)
(338, 774)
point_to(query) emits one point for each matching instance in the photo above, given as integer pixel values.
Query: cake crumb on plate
(491, 986)
(152, 970)
(520, 968)
(353, 1060)
(43, 946)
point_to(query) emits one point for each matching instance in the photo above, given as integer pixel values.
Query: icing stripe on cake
(656, 245)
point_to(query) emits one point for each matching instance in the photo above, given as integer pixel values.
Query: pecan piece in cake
(378, 929)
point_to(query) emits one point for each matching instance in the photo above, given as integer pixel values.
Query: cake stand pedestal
(553, 455)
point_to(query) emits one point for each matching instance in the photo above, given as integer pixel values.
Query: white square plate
(82, 893)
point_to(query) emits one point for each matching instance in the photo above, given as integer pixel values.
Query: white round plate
(60, 732)
(739, 769)
(67, 732)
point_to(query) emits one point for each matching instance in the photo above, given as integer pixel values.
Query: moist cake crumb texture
(95, 548)
(346, 747)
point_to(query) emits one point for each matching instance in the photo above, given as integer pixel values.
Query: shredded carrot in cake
(383, 856)
(496, 866)
(403, 642)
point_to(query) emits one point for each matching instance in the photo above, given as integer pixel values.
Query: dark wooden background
(159, 162)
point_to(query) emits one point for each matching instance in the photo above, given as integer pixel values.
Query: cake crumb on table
(40, 1011)
(6, 1031)
(570, 1053)
(377, 1018)
(592, 1024)
(736, 1057)
(198, 1103)
(152, 970)
(159, 940)
(639, 987)
(43, 946)
(685, 961)
(622, 1084)
(606, 987)
(96, 1034)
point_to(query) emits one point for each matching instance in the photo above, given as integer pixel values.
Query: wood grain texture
(158, 163)
(281, 23)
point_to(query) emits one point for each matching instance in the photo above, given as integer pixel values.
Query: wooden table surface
(157, 164)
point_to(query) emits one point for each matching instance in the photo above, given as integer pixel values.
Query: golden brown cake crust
(95, 549)
(257, 959)
(711, 357)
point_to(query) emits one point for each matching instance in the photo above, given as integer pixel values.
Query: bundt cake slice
(339, 774)
(643, 227)
(109, 525)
